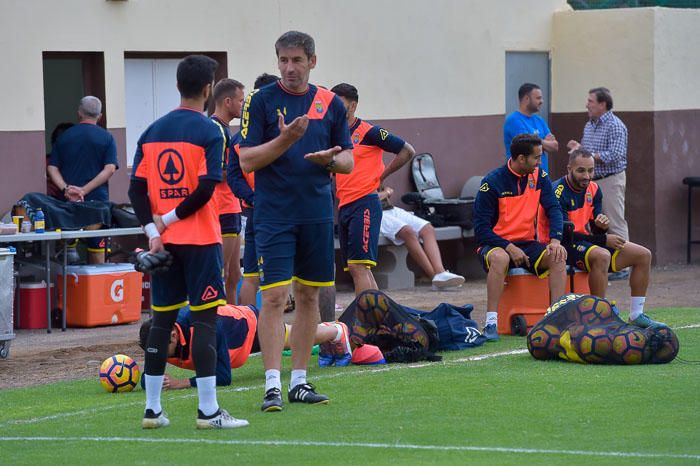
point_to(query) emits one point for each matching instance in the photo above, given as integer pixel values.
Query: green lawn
(506, 408)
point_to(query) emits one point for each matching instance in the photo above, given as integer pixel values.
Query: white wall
(677, 59)
(611, 48)
(409, 58)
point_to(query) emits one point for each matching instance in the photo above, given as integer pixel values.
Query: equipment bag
(455, 327)
(374, 318)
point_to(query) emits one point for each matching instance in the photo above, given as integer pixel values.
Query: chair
(430, 202)
(692, 182)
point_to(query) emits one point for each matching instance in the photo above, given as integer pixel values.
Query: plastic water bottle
(39, 222)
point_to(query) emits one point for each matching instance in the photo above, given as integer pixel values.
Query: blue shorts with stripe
(534, 250)
(304, 253)
(230, 224)
(577, 254)
(250, 258)
(196, 277)
(359, 223)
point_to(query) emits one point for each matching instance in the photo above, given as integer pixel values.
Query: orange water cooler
(101, 294)
(524, 302)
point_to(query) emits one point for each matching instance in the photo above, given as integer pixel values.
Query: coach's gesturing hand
(517, 255)
(294, 130)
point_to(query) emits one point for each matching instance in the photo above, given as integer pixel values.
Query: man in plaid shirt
(605, 135)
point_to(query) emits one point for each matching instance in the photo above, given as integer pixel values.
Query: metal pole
(48, 286)
(65, 281)
(690, 220)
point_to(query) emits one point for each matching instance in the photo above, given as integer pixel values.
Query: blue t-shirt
(292, 190)
(519, 123)
(81, 153)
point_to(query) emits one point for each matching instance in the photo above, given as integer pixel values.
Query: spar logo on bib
(116, 291)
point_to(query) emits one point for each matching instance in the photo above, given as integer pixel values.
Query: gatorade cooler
(579, 284)
(146, 293)
(524, 302)
(32, 305)
(101, 294)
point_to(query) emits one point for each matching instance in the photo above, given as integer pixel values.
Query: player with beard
(593, 249)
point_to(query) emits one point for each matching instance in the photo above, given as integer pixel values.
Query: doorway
(68, 77)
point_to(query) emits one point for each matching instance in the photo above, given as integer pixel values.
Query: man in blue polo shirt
(526, 121)
(294, 136)
(82, 161)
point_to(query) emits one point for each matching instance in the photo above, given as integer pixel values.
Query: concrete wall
(432, 72)
(645, 58)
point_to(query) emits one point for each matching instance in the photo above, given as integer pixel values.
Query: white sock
(298, 378)
(338, 335)
(154, 387)
(636, 306)
(273, 379)
(206, 391)
(491, 318)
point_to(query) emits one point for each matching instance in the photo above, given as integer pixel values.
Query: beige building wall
(611, 48)
(676, 59)
(409, 58)
(648, 58)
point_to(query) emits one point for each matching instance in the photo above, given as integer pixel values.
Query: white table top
(22, 237)
(72, 234)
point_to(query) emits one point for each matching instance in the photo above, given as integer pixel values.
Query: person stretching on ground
(236, 339)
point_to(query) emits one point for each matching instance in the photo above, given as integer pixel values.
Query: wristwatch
(330, 165)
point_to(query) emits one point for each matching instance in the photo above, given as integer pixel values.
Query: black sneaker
(272, 401)
(306, 393)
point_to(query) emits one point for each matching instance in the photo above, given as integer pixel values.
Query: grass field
(491, 405)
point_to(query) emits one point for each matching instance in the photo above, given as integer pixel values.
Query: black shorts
(195, 278)
(533, 249)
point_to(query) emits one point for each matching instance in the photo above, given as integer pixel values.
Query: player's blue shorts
(250, 258)
(93, 244)
(534, 250)
(295, 252)
(230, 225)
(196, 277)
(359, 223)
(96, 244)
(577, 254)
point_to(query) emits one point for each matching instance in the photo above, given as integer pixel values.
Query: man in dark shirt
(294, 135)
(82, 161)
(504, 225)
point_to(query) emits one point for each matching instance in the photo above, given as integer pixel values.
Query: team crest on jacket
(531, 183)
(319, 106)
(589, 198)
(355, 138)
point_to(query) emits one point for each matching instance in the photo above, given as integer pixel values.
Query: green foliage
(507, 409)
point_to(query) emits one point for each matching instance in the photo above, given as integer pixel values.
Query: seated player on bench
(236, 339)
(504, 225)
(593, 249)
(403, 227)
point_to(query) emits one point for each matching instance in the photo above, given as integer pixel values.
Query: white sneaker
(152, 421)
(219, 420)
(447, 279)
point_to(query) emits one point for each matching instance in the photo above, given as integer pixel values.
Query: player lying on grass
(236, 339)
(594, 249)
